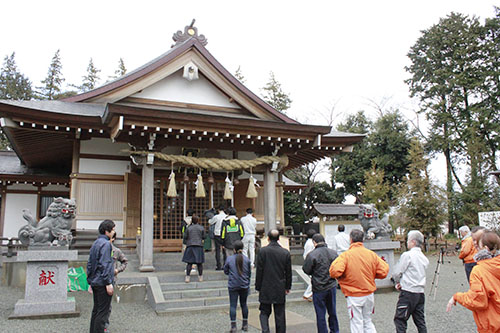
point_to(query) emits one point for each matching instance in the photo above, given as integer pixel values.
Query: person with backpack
(238, 269)
(232, 230)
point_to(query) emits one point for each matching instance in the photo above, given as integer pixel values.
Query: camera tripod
(435, 279)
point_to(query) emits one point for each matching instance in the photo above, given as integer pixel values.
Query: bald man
(273, 281)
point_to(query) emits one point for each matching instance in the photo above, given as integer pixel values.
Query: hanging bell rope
(216, 163)
(172, 190)
(251, 191)
(200, 188)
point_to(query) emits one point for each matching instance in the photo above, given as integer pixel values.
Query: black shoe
(218, 269)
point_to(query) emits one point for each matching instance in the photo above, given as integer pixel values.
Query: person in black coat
(194, 253)
(273, 281)
(317, 264)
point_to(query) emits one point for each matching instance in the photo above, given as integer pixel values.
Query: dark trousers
(101, 309)
(325, 301)
(233, 303)
(410, 304)
(279, 317)
(218, 247)
(468, 269)
(189, 267)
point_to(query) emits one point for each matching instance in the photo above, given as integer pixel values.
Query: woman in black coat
(194, 254)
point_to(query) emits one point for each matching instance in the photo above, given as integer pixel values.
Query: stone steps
(211, 301)
(169, 293)
(211, 292)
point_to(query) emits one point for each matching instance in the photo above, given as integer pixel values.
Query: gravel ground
(139, 317)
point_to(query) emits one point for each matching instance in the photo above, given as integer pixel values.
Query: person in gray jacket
(317, 264)
(194, 254)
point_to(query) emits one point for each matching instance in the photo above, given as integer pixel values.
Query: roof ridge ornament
(190, 31)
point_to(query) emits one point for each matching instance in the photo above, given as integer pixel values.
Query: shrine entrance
(169, 212)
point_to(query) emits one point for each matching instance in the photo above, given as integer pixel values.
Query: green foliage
(91, 80)
(387, 144)
(120, 71)
(53, 81)
(298, 206)
(420, 202)
(274, 95)
(349, 169)
(13, 84)
(375, 190)
(239, 75)
(455, 73)
(4, 143)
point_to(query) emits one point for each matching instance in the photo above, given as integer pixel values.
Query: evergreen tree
(120, 71)
(455, 74)
(349, 169)
(274, 95)
(375, 190)
(13, 84)
(91, 80)
(421, 202)
(239, 75)
(389, 144)
(52, 83)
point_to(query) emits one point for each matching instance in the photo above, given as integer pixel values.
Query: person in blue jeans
(238, 269)
(317, 265)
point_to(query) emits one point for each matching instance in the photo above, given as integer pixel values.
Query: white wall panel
(177, 89)
(104, 167)
(94, 225)
(103, 146)
(14, 205)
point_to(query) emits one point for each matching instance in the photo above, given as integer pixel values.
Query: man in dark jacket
(100, 276)
(317, 264)
(273, 281)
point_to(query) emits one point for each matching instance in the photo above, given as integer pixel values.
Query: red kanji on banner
(46, 278)
(383, 258)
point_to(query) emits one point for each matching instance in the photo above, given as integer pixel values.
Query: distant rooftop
(336, 209)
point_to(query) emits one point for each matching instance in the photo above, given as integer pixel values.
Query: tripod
(435, 279)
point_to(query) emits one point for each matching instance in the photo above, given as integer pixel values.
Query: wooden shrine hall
(171, 135)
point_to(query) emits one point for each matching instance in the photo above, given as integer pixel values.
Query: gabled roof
(134, 109)
(157, 64)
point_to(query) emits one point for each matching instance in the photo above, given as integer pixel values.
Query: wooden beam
(117, 127)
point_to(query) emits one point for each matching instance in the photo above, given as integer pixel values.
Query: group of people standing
(481, 256)
(225, 228)
(355, 269)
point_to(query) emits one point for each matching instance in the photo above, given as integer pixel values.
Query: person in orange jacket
(467, 251)
(482, 297)
(356, 271)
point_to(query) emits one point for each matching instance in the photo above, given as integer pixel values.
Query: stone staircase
(169, 293)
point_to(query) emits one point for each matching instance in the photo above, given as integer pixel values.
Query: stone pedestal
(385, 250)
(46, 283)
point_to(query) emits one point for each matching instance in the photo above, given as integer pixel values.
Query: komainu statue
(56, 225)
(374, 227)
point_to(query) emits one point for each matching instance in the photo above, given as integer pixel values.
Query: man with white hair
(409, 276)
(468, 250)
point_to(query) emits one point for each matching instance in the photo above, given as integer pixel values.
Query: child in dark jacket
(238, 269)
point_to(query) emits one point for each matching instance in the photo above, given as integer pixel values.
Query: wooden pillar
(269, 199)
(146, 259)
(75, 169)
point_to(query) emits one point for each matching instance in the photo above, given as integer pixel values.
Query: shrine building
(182, 117)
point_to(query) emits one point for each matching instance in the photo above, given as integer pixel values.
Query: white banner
(490, 220)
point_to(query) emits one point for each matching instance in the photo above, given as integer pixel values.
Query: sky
(346, 55)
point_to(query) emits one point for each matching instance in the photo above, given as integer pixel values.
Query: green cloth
(77, 279)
